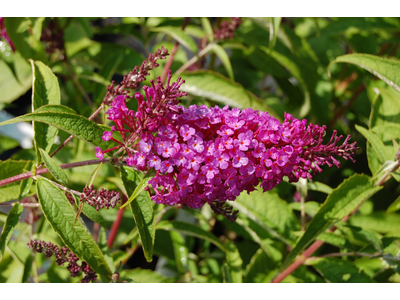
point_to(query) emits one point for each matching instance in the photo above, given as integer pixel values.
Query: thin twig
(63, 166)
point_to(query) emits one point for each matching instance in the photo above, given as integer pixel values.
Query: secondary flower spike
(204, 154)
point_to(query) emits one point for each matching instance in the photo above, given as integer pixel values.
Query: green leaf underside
(142, 210)
(220, 89)
(9, 226)
(63, 118)
(60, 214)
(385, 69)
(192, 230)
(342, 201)
(54, 168)
(45, 90)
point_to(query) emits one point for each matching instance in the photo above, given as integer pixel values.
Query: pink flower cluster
(204, 154)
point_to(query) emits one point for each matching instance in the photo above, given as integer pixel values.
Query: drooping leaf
(9, 226)
(343, 200)
(60, 214)
(63, 118)
(273, 31)
(45, 90)
(179, 35)
(192, 230)
(215, 87)
(54, 168)
(223, 56)
(141, 207)
(386, 69)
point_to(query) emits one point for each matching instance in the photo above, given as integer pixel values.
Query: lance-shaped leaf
(375, 142)
(192, 230)
(179, 35)
(9, 226)
(223, 56)
(214, 86)
(142, 208)
(384, 68)
(54, 168)
(45, 90)
(60, 214)
(343, 200)
(64, 118)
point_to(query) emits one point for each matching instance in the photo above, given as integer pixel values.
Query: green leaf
(190, 229)
(214, 86)
(144, 276)
(234, 262)
(223, 56)
(179, 35)
(339, 271)
(63, 118)
(385, 112)
(8, 169)
(54, 168)
(25, 34)
(273, 31)
(180, 251)
(392, 129)
(376, 143)
(395, 206)
(268, 211)
(140, 186)
(378, 221)
(92, 176)
(13, 86)
(60, 214)
(141, 208)
(387, 69)
(104, 248)
(9, 226)
(297, 72)
(45, 90)
(205, 23)
(351, 193)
